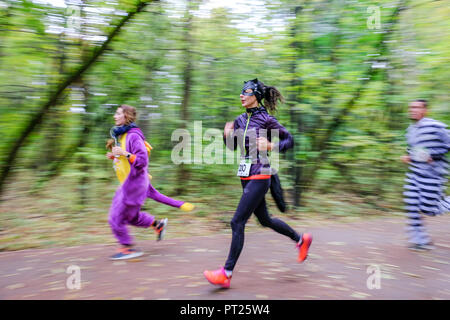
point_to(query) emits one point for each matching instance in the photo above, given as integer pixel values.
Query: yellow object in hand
(187, 207)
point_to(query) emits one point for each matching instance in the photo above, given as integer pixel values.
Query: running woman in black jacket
(252, 131)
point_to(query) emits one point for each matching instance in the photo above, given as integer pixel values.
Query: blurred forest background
(347, 76)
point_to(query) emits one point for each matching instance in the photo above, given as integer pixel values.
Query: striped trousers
(423, 195)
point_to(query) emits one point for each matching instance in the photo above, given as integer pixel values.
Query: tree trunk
(183, 173)
(83, 184)
(51, 139)
(295, 115)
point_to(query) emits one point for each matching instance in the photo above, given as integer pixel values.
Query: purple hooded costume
(131, 195)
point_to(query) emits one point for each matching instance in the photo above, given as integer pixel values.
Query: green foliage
(316, 58)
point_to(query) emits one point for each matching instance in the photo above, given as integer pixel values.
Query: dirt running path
(172, 269)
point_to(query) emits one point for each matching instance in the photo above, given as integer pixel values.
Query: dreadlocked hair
(272, 97)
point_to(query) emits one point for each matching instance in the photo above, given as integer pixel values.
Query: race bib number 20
(244, 168)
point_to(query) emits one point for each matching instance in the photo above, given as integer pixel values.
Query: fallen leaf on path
(160, 291)
(336, 243)
(342, 288)
(54, 289)
(337, 276)
(441, 262)
(390, 265)
(196, 284)
(199, 250)
(431, 268)
(412, 275)
(85, 259)
(359, 295)
(55, 271)
(15, 286)
(279, 269)
(301, 275)
(350, 267)
(59, 253)
(150, 279)
(155, 265)
(25, 269)
(175, 285)
(334, 252)
(140, 289)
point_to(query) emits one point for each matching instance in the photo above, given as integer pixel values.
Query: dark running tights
(253, 200)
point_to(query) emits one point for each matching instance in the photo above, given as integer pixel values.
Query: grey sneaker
(126, 253)
(161, 229)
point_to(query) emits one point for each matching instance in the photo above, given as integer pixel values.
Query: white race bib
(244, 168)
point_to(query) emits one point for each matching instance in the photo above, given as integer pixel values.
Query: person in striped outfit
(424, 192)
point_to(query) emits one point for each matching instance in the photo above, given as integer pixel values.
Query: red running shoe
(303, 247)
(218, 277)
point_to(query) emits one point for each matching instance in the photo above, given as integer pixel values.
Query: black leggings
(253, 200)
